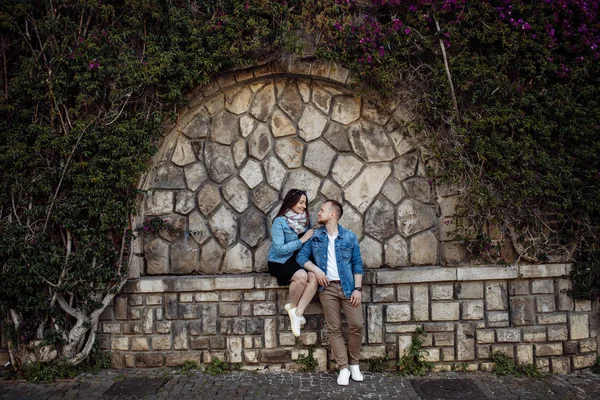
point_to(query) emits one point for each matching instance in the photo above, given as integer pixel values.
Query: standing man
(339, 272)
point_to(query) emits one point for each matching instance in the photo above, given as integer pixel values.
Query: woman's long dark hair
(292, 197)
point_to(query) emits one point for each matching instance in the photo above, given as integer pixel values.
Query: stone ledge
(428, 274)
(544, 271)
(486, 273)
(416, 275)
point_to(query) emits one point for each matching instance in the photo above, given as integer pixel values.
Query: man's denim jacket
(284, 241)
(347, 254)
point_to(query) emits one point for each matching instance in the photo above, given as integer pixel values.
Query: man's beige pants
(333, 302)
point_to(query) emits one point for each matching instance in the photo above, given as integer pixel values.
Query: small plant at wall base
(412, 363)
(218, 367)
(503, 365)
(307, 362)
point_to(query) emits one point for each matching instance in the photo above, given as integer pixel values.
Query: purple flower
(407, 31)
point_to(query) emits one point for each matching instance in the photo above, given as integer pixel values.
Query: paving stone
(345, 110)
(366, 186)
(414, 217)
(240, 101)
(195, 175)
(370, 142)
(223, 225)
(263, 103)
(281, 125)
(290, 151)
(379, 219)
(319, 157)
(396, 252)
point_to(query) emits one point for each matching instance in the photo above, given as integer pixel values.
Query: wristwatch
(359, 288)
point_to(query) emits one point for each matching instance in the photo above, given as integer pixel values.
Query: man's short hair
(337, 207)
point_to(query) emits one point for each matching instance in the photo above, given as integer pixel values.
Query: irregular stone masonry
(163, 321)
(246, 140)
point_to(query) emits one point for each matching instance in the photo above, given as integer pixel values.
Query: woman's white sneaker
(295, 322)
(344, 377)
(355, 373)
(288, 307)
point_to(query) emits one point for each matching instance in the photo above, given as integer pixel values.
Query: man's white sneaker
(288, 307)
(344, 377)
(355, 373)
(295, 322)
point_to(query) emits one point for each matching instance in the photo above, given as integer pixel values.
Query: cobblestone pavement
(168, 384)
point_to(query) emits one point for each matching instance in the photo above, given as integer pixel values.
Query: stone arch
(249, 136)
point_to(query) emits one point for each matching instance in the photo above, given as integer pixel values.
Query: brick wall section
(467, 313)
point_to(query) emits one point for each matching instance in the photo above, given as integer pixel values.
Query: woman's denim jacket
(284, 241)
(347, 254)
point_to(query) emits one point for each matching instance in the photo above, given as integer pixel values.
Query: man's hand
(321, 277)
(356, 298)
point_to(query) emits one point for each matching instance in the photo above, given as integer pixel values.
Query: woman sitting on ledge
(290, 230)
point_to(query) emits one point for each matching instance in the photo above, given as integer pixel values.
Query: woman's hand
(307, 235)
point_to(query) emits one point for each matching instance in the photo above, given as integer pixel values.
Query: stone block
(420, 302)
(403, 293)
(383, 294)
(542, 286)
(154, 299)
(552, 319)
(270, 333)
(534, 334)
(496, 296)
(430, 354)
(441, 339)
(367, 352)
(512, 335)
(375, 323)
(557, 333)
(398, 313)
(585, 361)
(472, 309)
(518, 287)
(148, 360)
(229, 310)
(565, 302)
(465, 342)
(548, 349)
(588, 345)
(579, 326)
(442, 292)
(404, 328)
(423, 249)
(162, 342)
(469, 290)
(583, 305)
(189, 311)
(448, 354)
(454, 254)
(139, 344)
(218, 342)
(275, 355)
(404, 343)
(545, 304)
(178, 358)
(265, 309)
(485, 336)
(524, 354)
(445, 311)
(119, 343)
(200, 342)
(560, 365)
(506, 349)
(497, 319)
(416, 275)
(486, 273)
(439, 327)
(484, 351)
(111, 327)
(543, 364)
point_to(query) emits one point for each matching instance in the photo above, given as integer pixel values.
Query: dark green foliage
(506, 366)
(218, 367)
(307, 362)
(86, 88)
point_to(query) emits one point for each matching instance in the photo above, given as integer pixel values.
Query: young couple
(327, 258)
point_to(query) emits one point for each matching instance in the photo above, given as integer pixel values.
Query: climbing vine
(508, 92)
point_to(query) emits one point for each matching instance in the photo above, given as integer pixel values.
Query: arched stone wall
(223, 168)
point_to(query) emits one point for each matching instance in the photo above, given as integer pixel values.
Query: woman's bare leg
(297, 285)
(309, 292)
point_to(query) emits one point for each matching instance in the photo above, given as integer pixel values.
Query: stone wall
(467, 313)
(219, 176)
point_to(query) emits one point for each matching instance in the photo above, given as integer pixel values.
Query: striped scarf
(296, 221)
